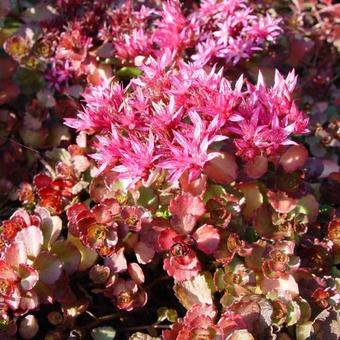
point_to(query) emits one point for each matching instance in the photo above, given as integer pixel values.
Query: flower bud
(54, 336)
(256, 167)
(99, 274)
(29, 327)
(241, 334)
(294, 158)
(222, 169)
(136, 273)
(55, 318)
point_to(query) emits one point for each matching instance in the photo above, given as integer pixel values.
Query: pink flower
(133, 45)
(59, 74)
(165, 117)
(189, 151)
(103, 108)
(146, 129)
(173, 30)
(269, 117)
(73, 45)
(230, 31)
(137, 159)
(136, 155)
(155, 78)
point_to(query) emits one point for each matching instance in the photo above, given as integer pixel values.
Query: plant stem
(154, 283)
(99, 320)
(137, 328)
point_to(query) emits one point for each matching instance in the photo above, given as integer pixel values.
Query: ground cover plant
(169, 169)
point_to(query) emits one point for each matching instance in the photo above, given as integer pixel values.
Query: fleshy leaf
(48, 266)
(16, 254)
(68, 254)
(32, 237)
(326, 325)
(50, 225)
(309, 205)
(88, 256)
(165, 313)
(254, 198)
(103, 333)
(207, 238)
(194, 291)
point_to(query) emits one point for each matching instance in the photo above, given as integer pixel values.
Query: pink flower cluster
(216, 30)
(72, 42)
(185, 185)
(226, 30)
(174, 117)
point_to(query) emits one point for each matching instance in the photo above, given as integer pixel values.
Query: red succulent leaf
(117, 261)
(102, 214)
(281, 202)
(166, 239)
(41, 181)
(186, 210)
(182, 262)
(207, 238)
(29, 276)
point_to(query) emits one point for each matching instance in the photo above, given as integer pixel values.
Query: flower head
(189, 150)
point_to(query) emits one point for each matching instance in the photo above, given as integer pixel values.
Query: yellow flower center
(124, 298)
(179, 249)
(5, 287)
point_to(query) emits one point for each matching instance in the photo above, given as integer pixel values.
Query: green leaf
(303, 331)
(60, 155)
(128, 72)
(293, 313)
(309, 206)
(142, 336)
(30, 81)
(163, 212)
(332, 111)
(213, 191)
(88, 256)
(165, 313)
(251, 235)
(148, 198)
(103, 333)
